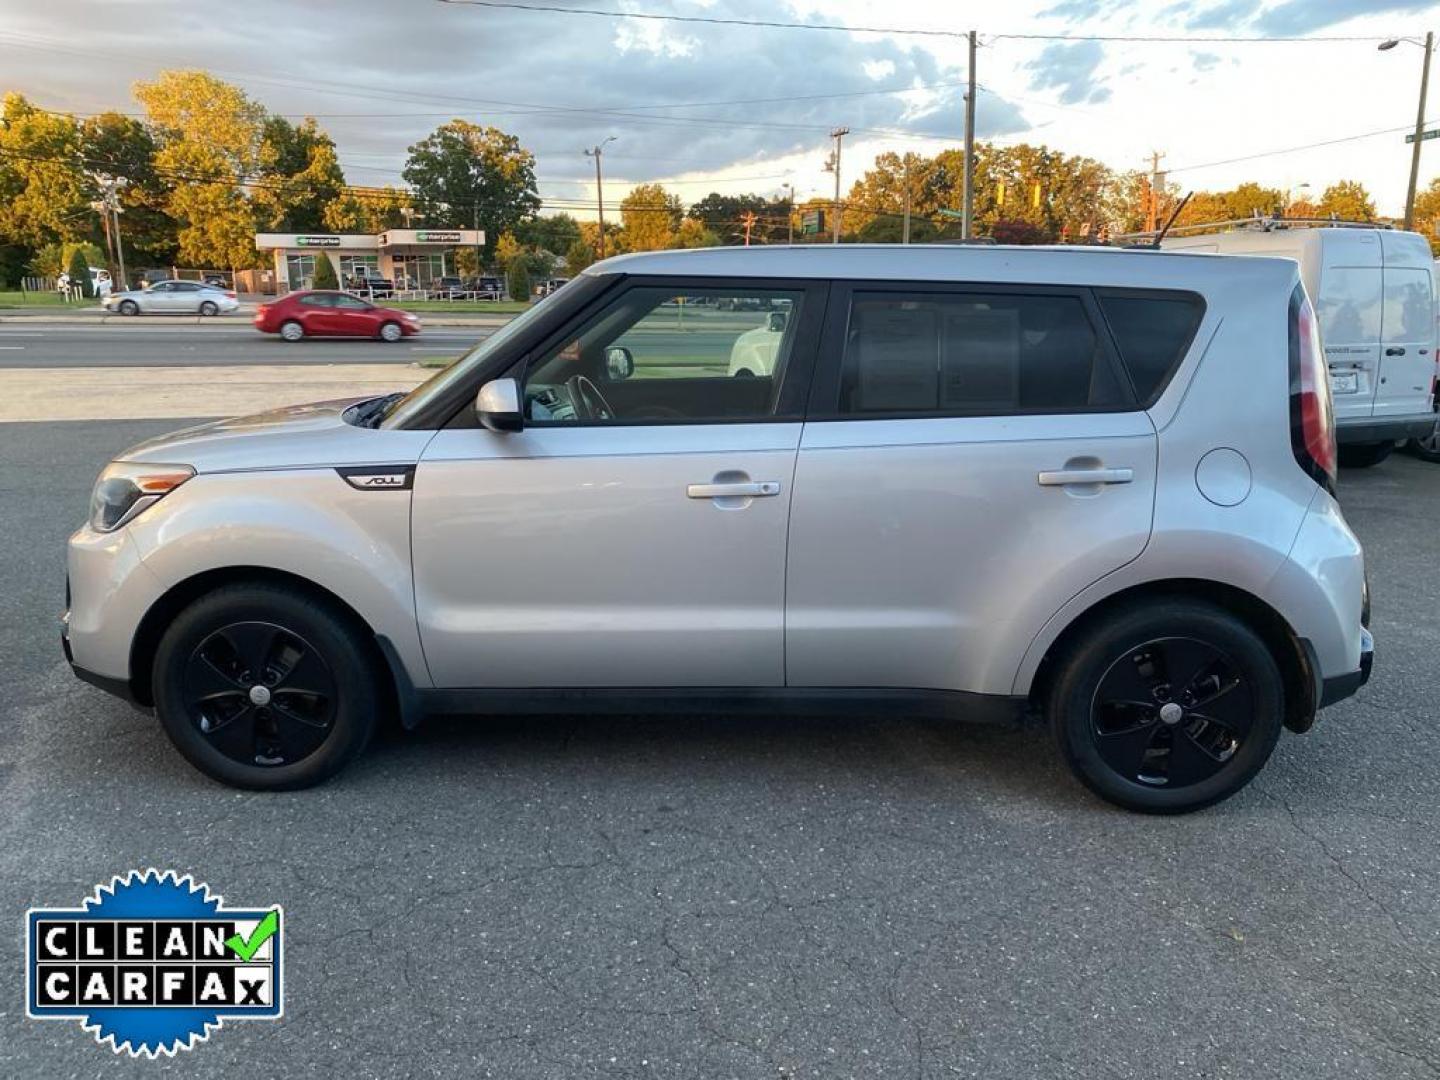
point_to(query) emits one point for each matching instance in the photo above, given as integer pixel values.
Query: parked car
(977, 480)
(172, 298)
(370, 282)
(449, 288)
(488, 288)
(325, 313)
(215, 280)
(1376, 300)
(544, 288)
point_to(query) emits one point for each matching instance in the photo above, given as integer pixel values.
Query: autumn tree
(299, 176)
(45, 193)
(723, 216)
(1347, 200)
(694, 234)
(554, 233)
(1427, 215)
(210, 135)
(123, 147)
(464, 175)
(370, 211)
(651, 215)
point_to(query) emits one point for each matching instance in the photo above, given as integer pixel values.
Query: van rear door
(1349, 304)
(1407, 327)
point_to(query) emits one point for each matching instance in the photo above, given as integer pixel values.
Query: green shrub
(79, 270)
(325, 273)
(517, 280)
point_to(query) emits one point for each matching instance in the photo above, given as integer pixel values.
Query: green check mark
(245, 949)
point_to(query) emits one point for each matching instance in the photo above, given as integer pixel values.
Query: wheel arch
(1292, 654)
(162, 612)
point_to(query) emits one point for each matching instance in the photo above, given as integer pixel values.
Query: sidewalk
(98, 316)
(127, 393)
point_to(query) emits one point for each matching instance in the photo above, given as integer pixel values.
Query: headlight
(126, 488)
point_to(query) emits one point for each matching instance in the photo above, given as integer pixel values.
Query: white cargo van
(1375, 296)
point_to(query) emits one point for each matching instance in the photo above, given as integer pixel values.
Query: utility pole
(1419, 131)
(789, 212)
(748, 220)
(109, 206)
(838, 134)
(1157, 188)
(905, 230)
(968, 208)
(599, 191)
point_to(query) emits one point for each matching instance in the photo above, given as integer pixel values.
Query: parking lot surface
(717, 897)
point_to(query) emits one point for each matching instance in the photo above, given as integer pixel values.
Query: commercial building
(411, 258)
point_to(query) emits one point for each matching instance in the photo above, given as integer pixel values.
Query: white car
(173, 298)
(1097, 484)
(755, 351)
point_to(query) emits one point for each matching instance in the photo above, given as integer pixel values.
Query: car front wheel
(129, 307)
(264, 687)
(1166, 707)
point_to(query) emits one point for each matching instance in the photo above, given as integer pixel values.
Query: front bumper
(120, 688)
(1339, 687)
(1378, 429)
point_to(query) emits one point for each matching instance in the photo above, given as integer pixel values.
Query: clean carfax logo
(152, 963)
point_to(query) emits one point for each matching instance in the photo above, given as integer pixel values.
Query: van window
(1409, 315)
(1349, 305)
(973, 354)
(1153, 332)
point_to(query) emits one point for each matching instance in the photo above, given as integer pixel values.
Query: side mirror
(498, 405)
(619, 363)
(777, 322)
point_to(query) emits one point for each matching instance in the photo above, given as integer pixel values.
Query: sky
(702, 107)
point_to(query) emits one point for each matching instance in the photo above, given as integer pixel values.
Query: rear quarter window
(1153, 331)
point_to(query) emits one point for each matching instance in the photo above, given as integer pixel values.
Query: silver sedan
(172, 298)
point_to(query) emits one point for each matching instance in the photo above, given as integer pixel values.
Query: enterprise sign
(432, 237)
(317, 241)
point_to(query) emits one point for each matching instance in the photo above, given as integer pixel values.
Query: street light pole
(599, 191)
(838, 134)
(968, 206)
(1419, 131)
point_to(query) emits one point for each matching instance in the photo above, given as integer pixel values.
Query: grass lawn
(459, 307)
(17, 299)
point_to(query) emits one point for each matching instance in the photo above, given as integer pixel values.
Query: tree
(650, 215)
(325, 276)
(45, 193)
(1347, 200)
(517, 280)
(1427, 214)
(694, 234)
(300, 176)
(370, 211)
(579, 255)
(79, 270)
(723, 216)
(553, 233)
(123, 147)
(465, 175)
(210, 136)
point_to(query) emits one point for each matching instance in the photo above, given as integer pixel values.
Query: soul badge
(152, 963)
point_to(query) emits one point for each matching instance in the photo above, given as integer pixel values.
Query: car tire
(744, 373)
(208, 309)
(291, 330)
(391, 332)
(1365, 455)
(321, 687)
(129, 307)
(1138, 740)
(1428, 447)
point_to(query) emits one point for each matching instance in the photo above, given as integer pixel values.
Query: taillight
(1312, 419)
(230, 293)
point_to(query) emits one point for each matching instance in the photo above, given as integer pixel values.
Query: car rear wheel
(1166, 707)
(391, 332)
(208, 308)
(129, 307)
(291, 330)
(1364, 455)
(266, 688)
(1427, 447)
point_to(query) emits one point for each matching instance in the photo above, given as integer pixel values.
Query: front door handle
(749, 489)
(1064, 477)
(1395, 350)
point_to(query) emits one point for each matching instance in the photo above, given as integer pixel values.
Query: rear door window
(974, 354)
(1409, 312)
(1349, 305)
(1153, 331)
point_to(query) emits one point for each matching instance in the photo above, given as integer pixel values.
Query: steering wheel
(587, 400)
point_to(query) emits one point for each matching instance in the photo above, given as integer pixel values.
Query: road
(156, 344)
(717, 897)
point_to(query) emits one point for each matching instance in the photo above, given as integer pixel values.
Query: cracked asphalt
(717, 897)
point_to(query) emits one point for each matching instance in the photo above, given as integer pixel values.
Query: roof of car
(1055, 264)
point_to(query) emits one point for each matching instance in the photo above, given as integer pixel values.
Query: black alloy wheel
(260, 694)
(1171, 713)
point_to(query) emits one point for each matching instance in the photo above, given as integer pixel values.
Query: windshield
(403, 409)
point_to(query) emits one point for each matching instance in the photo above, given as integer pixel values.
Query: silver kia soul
(1095, 483)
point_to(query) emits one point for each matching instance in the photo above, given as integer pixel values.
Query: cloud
(1205, 61)
(1070, 69)
(559, 82)
(1227, 16)
(1305, 16)
(1081, 10)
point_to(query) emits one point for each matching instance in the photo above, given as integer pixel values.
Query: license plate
(1344, 382)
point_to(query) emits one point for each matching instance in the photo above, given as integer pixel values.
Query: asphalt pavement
(759, 898)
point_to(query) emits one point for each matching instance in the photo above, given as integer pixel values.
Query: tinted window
(318, 300)
(972, 354)
(655, 355)
(351, 302)
(1349, 305)
(185, 286)
(1409, 313)
(1153, 333)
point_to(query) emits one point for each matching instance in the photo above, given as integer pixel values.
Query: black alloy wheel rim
(1171, 713)
(1431, 443)
(260, 694)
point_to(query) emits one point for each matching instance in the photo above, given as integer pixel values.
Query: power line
(1293, 149)
(776, 24)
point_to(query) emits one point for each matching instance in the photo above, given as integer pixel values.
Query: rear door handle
(740, 489)
(1063, 477)
(1394, 350)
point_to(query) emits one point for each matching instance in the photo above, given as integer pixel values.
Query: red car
(325, 313)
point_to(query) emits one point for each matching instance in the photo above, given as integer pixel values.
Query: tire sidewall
(129, 307)
(1085, 666)
(291, 337)
(356, 707)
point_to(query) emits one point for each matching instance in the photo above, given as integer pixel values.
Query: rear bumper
(1376, 429)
